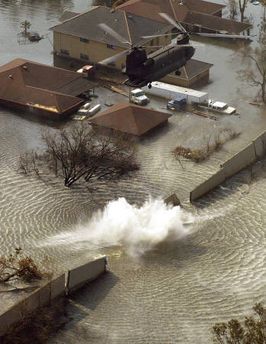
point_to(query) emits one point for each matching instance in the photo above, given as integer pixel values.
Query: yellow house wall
(96, 51)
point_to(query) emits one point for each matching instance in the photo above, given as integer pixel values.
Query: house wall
(72, 47)
(199, 80)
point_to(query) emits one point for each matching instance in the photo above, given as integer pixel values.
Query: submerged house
(195, 73)
(79, 39)
(196, 15)
(44, 90)
(130, 119)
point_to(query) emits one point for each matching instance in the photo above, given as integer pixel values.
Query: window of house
(84, 40)
(84, 57)
(64, 51)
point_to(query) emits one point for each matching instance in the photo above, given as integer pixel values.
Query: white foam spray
(137, 229)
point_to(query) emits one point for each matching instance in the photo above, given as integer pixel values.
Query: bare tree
(25, 25)
(252, 331)
(232, 5)
(242, 5)
(255, 74)
(255, 71)
(82, 152)
(18, 266)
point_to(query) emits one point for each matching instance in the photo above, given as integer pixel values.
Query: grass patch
(201, 154)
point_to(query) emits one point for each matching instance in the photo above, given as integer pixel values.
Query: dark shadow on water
(228, 188)
(86, 299)
(37, 119)
(91, 295)
(154, 134)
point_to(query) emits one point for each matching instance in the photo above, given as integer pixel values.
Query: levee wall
(260, 145)
(250, 154)
(81, 275)
(39, 298)
(44, 295)
(239, 161)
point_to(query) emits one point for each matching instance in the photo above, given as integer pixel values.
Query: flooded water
(176, 292)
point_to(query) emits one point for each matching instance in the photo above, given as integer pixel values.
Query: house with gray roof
(80, 38)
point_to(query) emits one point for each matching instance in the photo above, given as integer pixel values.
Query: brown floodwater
(175, 293)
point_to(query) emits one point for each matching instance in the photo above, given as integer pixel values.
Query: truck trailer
(161, 89)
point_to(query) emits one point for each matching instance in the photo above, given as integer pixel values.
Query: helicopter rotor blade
(221, 35)
(114, 58)
(172, 22)
(114, 34)
(154, 36)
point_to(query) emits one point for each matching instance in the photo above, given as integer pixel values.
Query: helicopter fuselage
(142, 71)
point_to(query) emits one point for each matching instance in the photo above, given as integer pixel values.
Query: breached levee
(137, 229)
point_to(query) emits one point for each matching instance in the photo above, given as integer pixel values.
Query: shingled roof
(192, 12)
(130, 119)
(129, 26)
(214, 23)
(193, 68)
(40, 86)
(166, 5)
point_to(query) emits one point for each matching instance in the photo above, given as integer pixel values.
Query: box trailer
(161, 89)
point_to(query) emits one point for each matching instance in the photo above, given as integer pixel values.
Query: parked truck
(219, 107)
(137, 96)
(164, 90)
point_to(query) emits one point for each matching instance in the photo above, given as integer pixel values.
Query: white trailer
(161, 89)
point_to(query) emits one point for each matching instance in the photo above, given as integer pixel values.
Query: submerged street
(176, 292)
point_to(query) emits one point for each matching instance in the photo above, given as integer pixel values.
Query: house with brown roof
(130, 119)
(79, 38)
(196, 15)
(195, 73)
(45, 90)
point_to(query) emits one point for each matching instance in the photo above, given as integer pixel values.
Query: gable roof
(41, 86)
(193, 12)
(129, 26)
(193, 68)
(130, 119)
(167, 5)
(47, 77)
(68, 15)
(203, 6)
(214, 23)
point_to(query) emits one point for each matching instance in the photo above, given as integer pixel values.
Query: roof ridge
(78, 15)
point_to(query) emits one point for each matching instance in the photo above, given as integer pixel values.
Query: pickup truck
(137, 96)
(218, 106)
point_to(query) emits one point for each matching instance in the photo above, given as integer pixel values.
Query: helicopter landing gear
(149, 85)
(177, 72)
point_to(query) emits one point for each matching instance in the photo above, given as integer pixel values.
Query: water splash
(137, 229)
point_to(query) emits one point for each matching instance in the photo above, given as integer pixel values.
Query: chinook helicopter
(142, 68)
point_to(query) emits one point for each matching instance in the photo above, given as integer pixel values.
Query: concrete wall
(39, 298)
(253, 152)
(45, 294)
(85, 273)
